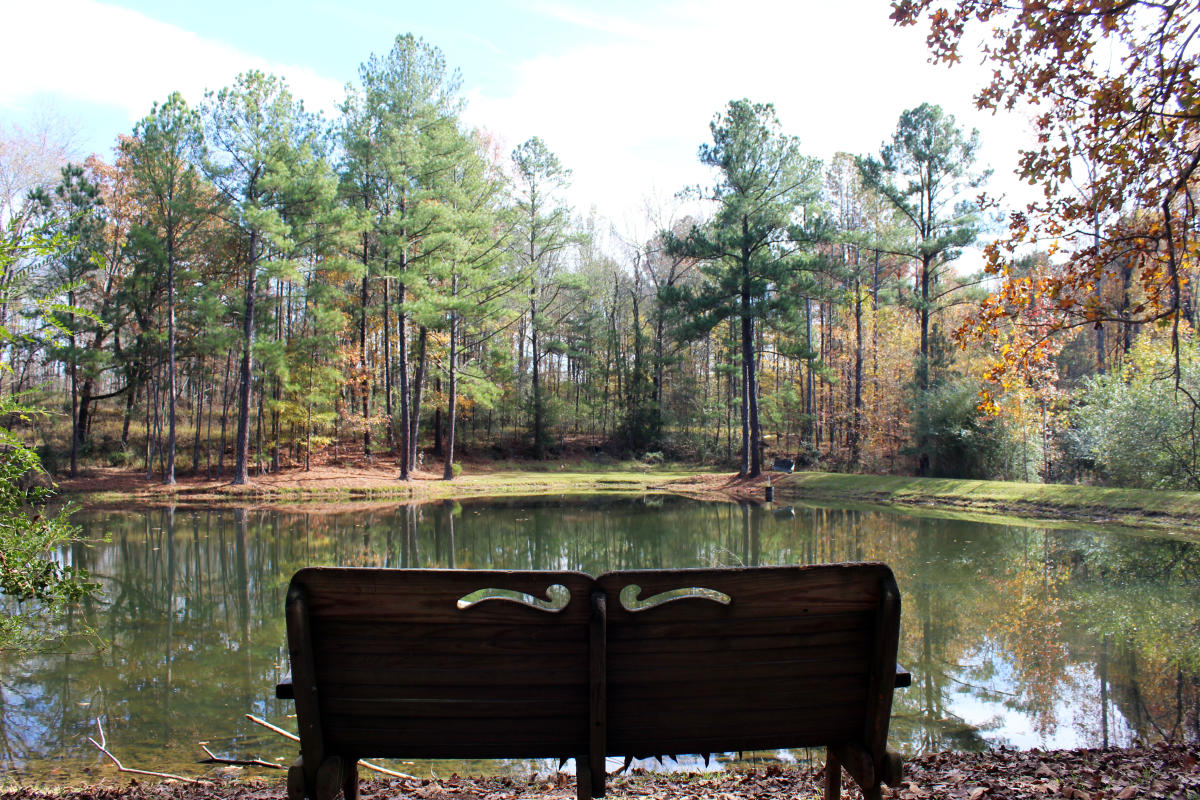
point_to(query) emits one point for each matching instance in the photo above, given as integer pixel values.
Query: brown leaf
(977, 793)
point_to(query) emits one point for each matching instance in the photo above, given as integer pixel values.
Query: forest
(245, 286)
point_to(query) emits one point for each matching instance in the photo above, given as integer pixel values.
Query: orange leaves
(1115, 157)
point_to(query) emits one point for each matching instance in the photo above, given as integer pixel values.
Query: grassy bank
(378, 482)
(1140, 508)
(111, 487)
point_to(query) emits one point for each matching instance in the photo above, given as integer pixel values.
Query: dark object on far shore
(783, 465)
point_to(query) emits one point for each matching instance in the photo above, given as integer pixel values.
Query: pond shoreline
(1162, 770)
(353, 484)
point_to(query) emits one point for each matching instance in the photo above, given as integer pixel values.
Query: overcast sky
(621, 90)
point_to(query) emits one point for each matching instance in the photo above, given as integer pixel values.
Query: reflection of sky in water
(194, 614)
(992, 706)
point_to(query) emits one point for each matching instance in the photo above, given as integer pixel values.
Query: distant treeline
(246, 285)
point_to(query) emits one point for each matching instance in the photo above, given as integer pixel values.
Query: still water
(1015, 635)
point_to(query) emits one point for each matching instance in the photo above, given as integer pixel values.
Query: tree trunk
(418, 386)
(224, 412)
(74, 395)
(365, 381)
(387, 365)
(926, 367)
(169, 476)
(199, 414)
(402, 361)
(242, 464)
(751, 432)
(856, 431)
(402, 369)
(452, 388)
(539, 434)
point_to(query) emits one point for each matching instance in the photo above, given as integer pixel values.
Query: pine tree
(752, 245)
(470, 252)
(76, 210)
(924, 173)
(265, 159)
(542, 233)
(399, 135)
(174, 201)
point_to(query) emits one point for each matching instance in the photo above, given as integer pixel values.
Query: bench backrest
(405, 664)
(402, 669)
(757, 658)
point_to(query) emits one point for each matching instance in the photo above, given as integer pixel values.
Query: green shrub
(1134, 427)
(960, 441)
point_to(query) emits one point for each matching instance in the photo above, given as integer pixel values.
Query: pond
(1015, 635)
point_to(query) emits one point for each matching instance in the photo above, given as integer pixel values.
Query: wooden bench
(423, 664)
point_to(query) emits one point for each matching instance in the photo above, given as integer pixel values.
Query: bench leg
(329, 779)
(583, 778)
(893, 769)
(833, 776)
(350, 781)
(296, 784)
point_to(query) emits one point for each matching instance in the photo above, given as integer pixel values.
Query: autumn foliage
(1113, 86)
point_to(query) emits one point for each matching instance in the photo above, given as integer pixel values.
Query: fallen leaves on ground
(1167, 772)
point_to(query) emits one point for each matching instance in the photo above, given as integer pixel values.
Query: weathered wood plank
(432, 596)
(397, 672)
(409, 711)
(847, 689)
(769, 635)
(716, 742)
(593, 769)
(524, 693)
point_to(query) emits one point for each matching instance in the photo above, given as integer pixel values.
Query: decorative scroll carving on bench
(632, 603)
(557, 598)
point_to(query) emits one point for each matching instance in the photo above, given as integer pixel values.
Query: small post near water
(770, 490)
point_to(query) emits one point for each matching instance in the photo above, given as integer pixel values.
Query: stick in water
(100, 745)
(295, 738)
(213, 758)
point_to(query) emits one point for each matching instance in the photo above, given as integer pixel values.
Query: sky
(622, 91)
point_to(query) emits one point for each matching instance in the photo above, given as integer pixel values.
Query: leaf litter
(1161, 772)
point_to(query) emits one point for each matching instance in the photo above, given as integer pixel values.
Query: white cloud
(625, 105)
(114, 57)
(630, 111)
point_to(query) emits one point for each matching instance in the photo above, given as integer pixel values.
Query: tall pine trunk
(452, 387)
(242, 463)
(751, 465)
(74, 395)
(418, 385)
(169, 476)
(365, 378)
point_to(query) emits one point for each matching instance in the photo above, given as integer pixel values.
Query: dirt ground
(379, 479)
(1162, 771)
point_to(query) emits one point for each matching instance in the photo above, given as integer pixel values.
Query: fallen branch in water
(213, 758)
(365, 764)
(270, 727)
(102, 747)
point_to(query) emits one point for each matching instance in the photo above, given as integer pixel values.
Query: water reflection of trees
(1014, 619)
